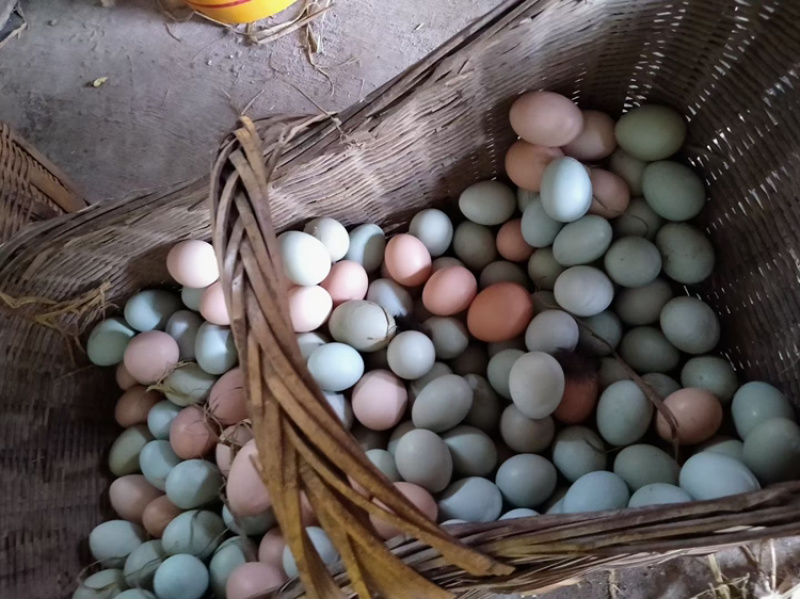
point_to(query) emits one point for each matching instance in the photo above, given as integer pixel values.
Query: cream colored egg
(584, 290)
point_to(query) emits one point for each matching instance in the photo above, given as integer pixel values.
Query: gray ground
(174, 89)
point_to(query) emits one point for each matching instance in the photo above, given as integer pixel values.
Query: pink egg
(546, 119)
(247, 495)
(124, 378)
(407, 260)
(309, 307)
(416, 495)
(193, 263)
(254, 579)
(158, 513)
(213, 307)
(611, 195)
(449, 291)
(190, 434)
(130, 495)
(379, 400)
(231, 441)
(596, 141)
(270, 550)
(227, 402)
(151, 356)
(510, 243)
(347, 281)
(134, 405)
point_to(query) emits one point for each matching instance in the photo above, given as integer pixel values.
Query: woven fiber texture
(31, 187)
(730, 67)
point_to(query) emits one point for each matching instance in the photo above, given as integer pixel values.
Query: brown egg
(347, 281)
(247, 494)
(610, 194)
(124, 378)
(698, 414)
(579, 400)
(500, 312)
(270, 550)
(213, 307)
(134, 405)
(510, 243)
(421, 498)
(151, 356)
(158, 513)
(525, 163)
(408, 260)
(449, 291)
(254, 579)
(546, 119)
(130, 495)
(597, 139)
(227, 402)
(190, 434)
(231, 441)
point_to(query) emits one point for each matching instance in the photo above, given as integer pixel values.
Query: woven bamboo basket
(31, 187)
(730, 67)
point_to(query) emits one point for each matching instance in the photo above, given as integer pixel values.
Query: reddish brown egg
(579, 400)
(500, 312)
(510, 243)
(226, 402)
(191, 435)
(423, 500)
(158, 513)
(134, 405)
(525, 163)
(610, 194)
(130, 495)
(698, 414)
(546, 119)
(596, 141)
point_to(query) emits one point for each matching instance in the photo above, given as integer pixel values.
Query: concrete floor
(173, 91)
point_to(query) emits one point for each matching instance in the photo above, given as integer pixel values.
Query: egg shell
(582, 241)
(623, 413)
(552, 331)
(610, 194)
(156, 460)
(595, 492)
(193, 263)
(651, 132)
(332, 234)
(434, 229)
(112, 542)
(305, 259)
(503, 272)
(190, 296)
(391, 296)
(397, 434)
(449, 291)
(500, 312)
(596, 139)
(472, 499)
(510, 243)
(191, 434)
(526, 480)
(581, 393)
(642, 305)
(129, 495)
(449, 335)
(546, 118)
(632, 262)
(673, 190)
(335, 366)
(486, 405)
(247, 495)
(499, 370)
(523, 434)
(181, 577)
(772, 451)
(472, 450)
(629, 168)
(712, 475)
(253, 579)
(638, 220)
(646, 349)
(188, 385)
(520, 512)
(663, 385)
(379, 400)
(233, 553)
(134, 405)
(123, 457)
(150, 310)
(105, 584)
(325, 548)
(641, 465)
(756, 402)
(418, 496)
(487, 202)
(270, 549)
(474, 245)
(385, 462)
(196, 532)
(566, 192)
(194, 483)
(363, 325)
(423, 458)
(407, 260)
(658, 494)
(713, 374)
(443, 403)
(474, 360)
(158, 514)
(411, 354)
(108, 341)
(251, 526)
(151, 356)
(227, 402)
(583, 290)
(142, 563)
(687, 253)
(600, 334)
(309, 307)
(525, 164)
(724, 445)
(578, 450)
(536, 384)
(347, 281)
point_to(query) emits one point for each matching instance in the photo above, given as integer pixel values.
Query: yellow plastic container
(239, 11)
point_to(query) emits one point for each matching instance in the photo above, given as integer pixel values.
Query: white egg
(411, 355)
(488, 202)
(305, 259)
(367, 245)
(552, 331)
(434, 229)
(584, 290)
(335, 366)
(566, 191)
(539, 230)
(690, 325)
(536, 384)
(332, 234)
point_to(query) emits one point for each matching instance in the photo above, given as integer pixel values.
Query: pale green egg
(578, 450)
(629, 168)
(646, 349)
(539, 230)
(197, 532)
(611, 371)
(690, 324)
(181, 577)
(651, 132)
(772, 451)
(687, 254)
(544, 269)
(160, 417)
(714, 475)
(566, 190)
(503, 271)
(596, 491)
(423, 459)
(673, 190)
(193, 483)
(726, 446)
(230, 555)
(142, 563)
(188, 384)
(434, 229)
(473, 499)
(582, 241)
(632, 262)
(658, 494)
(638, 220)
(641, 465)
(394, 439)
(473, 451)
(251, 526)
(191, 297)
(756, 402)
(520, 512)
(136, 594)
(449, 335)
(215, 350)
(417, 385)
(525, 197)
(543, 300)
(486, 404)
(624, 413)
(525, 435)
(526, 480)
(108, 340)
(182, 327)
(663, 385)
(488, 202)
(105, 584)
(384, 461)
(337, 366)
(321, 542)
(713, 374)
(123, 458)
(363, 325)
(584, 290)
(474, 245)
(112, 542)
(156, 460)
(499, 370)
(642, 305)
(367, 245)
(607, 327)
(150, 310)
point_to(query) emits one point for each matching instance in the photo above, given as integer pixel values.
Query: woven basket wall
(730, 67)
(31, 187)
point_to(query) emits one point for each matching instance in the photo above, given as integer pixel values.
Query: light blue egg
(658, 494)
(105, 584)
(714, 475)
(160, 418)
(252, 526)
(726, 446)
(215, 350)
(193, 483)
(713, 374)
(136, 594)
(623, 413)
(473, 499)
(230, 555)
(156, 460)
(182, 327)
(596, 491)
(323, 545)
(520, 512)
(578, 450)
(112, 542)
(181, 577)
(188, 384)
(191, 297)
(123, 458)
(642, 465)
(108, 341)
(538, 229)
(198, 532)
(566, 191)
(367, 245)
(756, 402)
(150, 310)
(142, 563)
(663, 385)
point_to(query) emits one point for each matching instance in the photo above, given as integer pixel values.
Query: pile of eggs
(474, 358)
